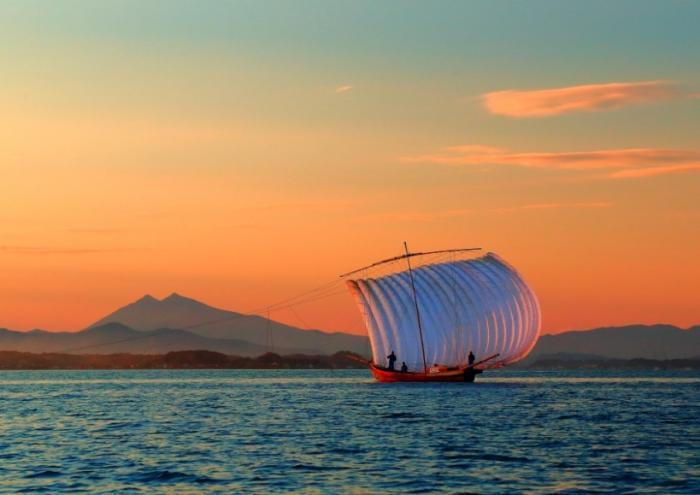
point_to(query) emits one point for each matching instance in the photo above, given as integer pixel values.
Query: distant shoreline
(15, 360)
(639, 364)
(198, 359)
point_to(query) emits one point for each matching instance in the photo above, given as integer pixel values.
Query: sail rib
(480, 305)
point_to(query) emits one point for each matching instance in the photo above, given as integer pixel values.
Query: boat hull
(456, 375)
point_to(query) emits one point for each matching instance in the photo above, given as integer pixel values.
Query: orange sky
(192, 152)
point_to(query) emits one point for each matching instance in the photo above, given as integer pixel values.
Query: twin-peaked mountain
(176, 311)
(177, 323)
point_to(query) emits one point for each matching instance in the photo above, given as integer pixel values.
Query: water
(339, 432)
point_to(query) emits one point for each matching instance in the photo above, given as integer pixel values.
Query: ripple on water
(305, 431)
(46, 473)
(167, 476)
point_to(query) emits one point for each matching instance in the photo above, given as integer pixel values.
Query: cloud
(324, 205)
(580, 160)
(343, 89)
(554, 206)
(475, 149)
(583, 98)
(655, 171)
(38, 250)
(434, 216)
(95, 231)
(417, 216)
(636, 162)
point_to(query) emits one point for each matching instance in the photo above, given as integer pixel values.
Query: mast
(415, 301)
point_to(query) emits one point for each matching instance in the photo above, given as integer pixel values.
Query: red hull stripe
(387, 376)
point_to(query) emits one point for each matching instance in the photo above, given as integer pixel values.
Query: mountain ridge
(658, 341)
(177, 311)
(178, 323)
(119, 338)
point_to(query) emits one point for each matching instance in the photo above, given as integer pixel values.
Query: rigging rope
(329, 289)
(323, 291)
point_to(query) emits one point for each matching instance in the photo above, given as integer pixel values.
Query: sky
(243, 152)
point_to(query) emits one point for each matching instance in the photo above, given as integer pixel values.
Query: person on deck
(471, 358)
(404, 368)
(392, 359)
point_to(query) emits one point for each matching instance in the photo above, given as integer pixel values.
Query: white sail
(480, 305)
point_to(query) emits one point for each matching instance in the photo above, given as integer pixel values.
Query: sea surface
(233, 431)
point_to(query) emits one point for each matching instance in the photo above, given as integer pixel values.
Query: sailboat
(451, 316)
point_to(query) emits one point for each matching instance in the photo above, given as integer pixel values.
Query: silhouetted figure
(404, 368)
(470, 372)
(392, 359)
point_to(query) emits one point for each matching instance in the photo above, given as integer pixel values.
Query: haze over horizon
(239, 154)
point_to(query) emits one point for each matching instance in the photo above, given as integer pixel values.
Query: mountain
(600, 364)
(632, 341)
(118, 338)
(176, 311)
(177, 323)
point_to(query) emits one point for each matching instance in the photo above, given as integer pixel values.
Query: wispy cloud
(583, 98)
(637, 162)
(555, 206)
(95, 231)
(344, 88)
(39, 250)
(417, 216)
(305, 206)
(435, 216)
(655, 171)
(582, 160)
